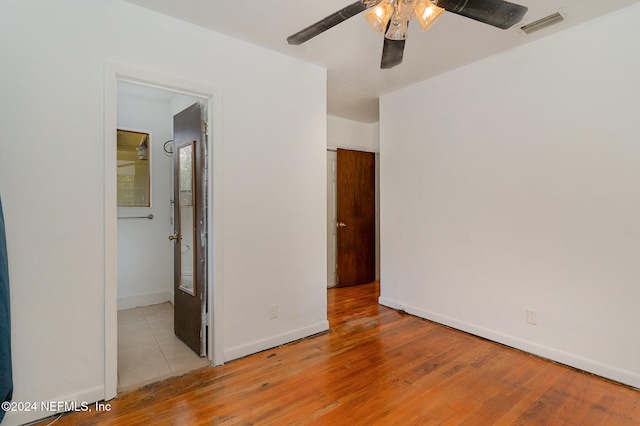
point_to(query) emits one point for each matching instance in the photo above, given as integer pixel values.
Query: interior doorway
(148, 349)
(352, 213)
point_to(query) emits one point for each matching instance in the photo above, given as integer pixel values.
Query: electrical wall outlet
(532, 316)
(273, 311)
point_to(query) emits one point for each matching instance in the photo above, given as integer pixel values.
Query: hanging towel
(6, 376)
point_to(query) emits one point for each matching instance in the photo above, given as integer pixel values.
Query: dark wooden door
(190, 285)
(355, 181)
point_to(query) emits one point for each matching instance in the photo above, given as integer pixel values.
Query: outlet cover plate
(273, 311)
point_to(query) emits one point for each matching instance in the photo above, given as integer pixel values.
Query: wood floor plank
(377, 366)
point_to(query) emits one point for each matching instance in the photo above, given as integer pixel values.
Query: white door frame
(112, 74)
(332, 155)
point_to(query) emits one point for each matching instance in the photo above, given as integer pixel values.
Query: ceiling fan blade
(498, 13)
(392, 52)
(326, 23)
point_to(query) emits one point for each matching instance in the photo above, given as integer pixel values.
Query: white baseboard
(273, 341)
(573, 360)
(82, 400)
(129, 302)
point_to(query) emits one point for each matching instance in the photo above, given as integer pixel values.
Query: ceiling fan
(391, 17)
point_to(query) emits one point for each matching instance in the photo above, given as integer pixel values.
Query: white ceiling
(351, 51)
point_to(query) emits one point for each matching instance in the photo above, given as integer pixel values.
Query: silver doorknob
(341, 224)
(174, 237)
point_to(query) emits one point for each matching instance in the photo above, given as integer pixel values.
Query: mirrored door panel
(186, 219)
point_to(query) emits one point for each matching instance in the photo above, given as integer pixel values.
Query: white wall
(349, 134)
(272, 179)
(145, 254)
(520, 190)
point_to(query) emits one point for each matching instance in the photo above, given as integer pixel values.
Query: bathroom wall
(145, 254)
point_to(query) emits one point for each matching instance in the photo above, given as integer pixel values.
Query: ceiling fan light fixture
(397, 30)
(391, 18)
(427, 13)
(399, 23)
(379, 16)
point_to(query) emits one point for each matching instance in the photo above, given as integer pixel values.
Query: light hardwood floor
(377, 366)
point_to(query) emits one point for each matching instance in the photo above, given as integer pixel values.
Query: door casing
(114, 72)
(331, 217)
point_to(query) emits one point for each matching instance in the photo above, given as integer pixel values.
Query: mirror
(186, 220)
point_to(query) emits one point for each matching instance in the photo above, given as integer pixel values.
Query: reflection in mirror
(133, 169)
(187, 230)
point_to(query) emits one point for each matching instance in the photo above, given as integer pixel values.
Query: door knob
(174, 237)
(341, 224)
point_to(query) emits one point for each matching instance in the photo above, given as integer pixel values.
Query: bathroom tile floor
(148, 349)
